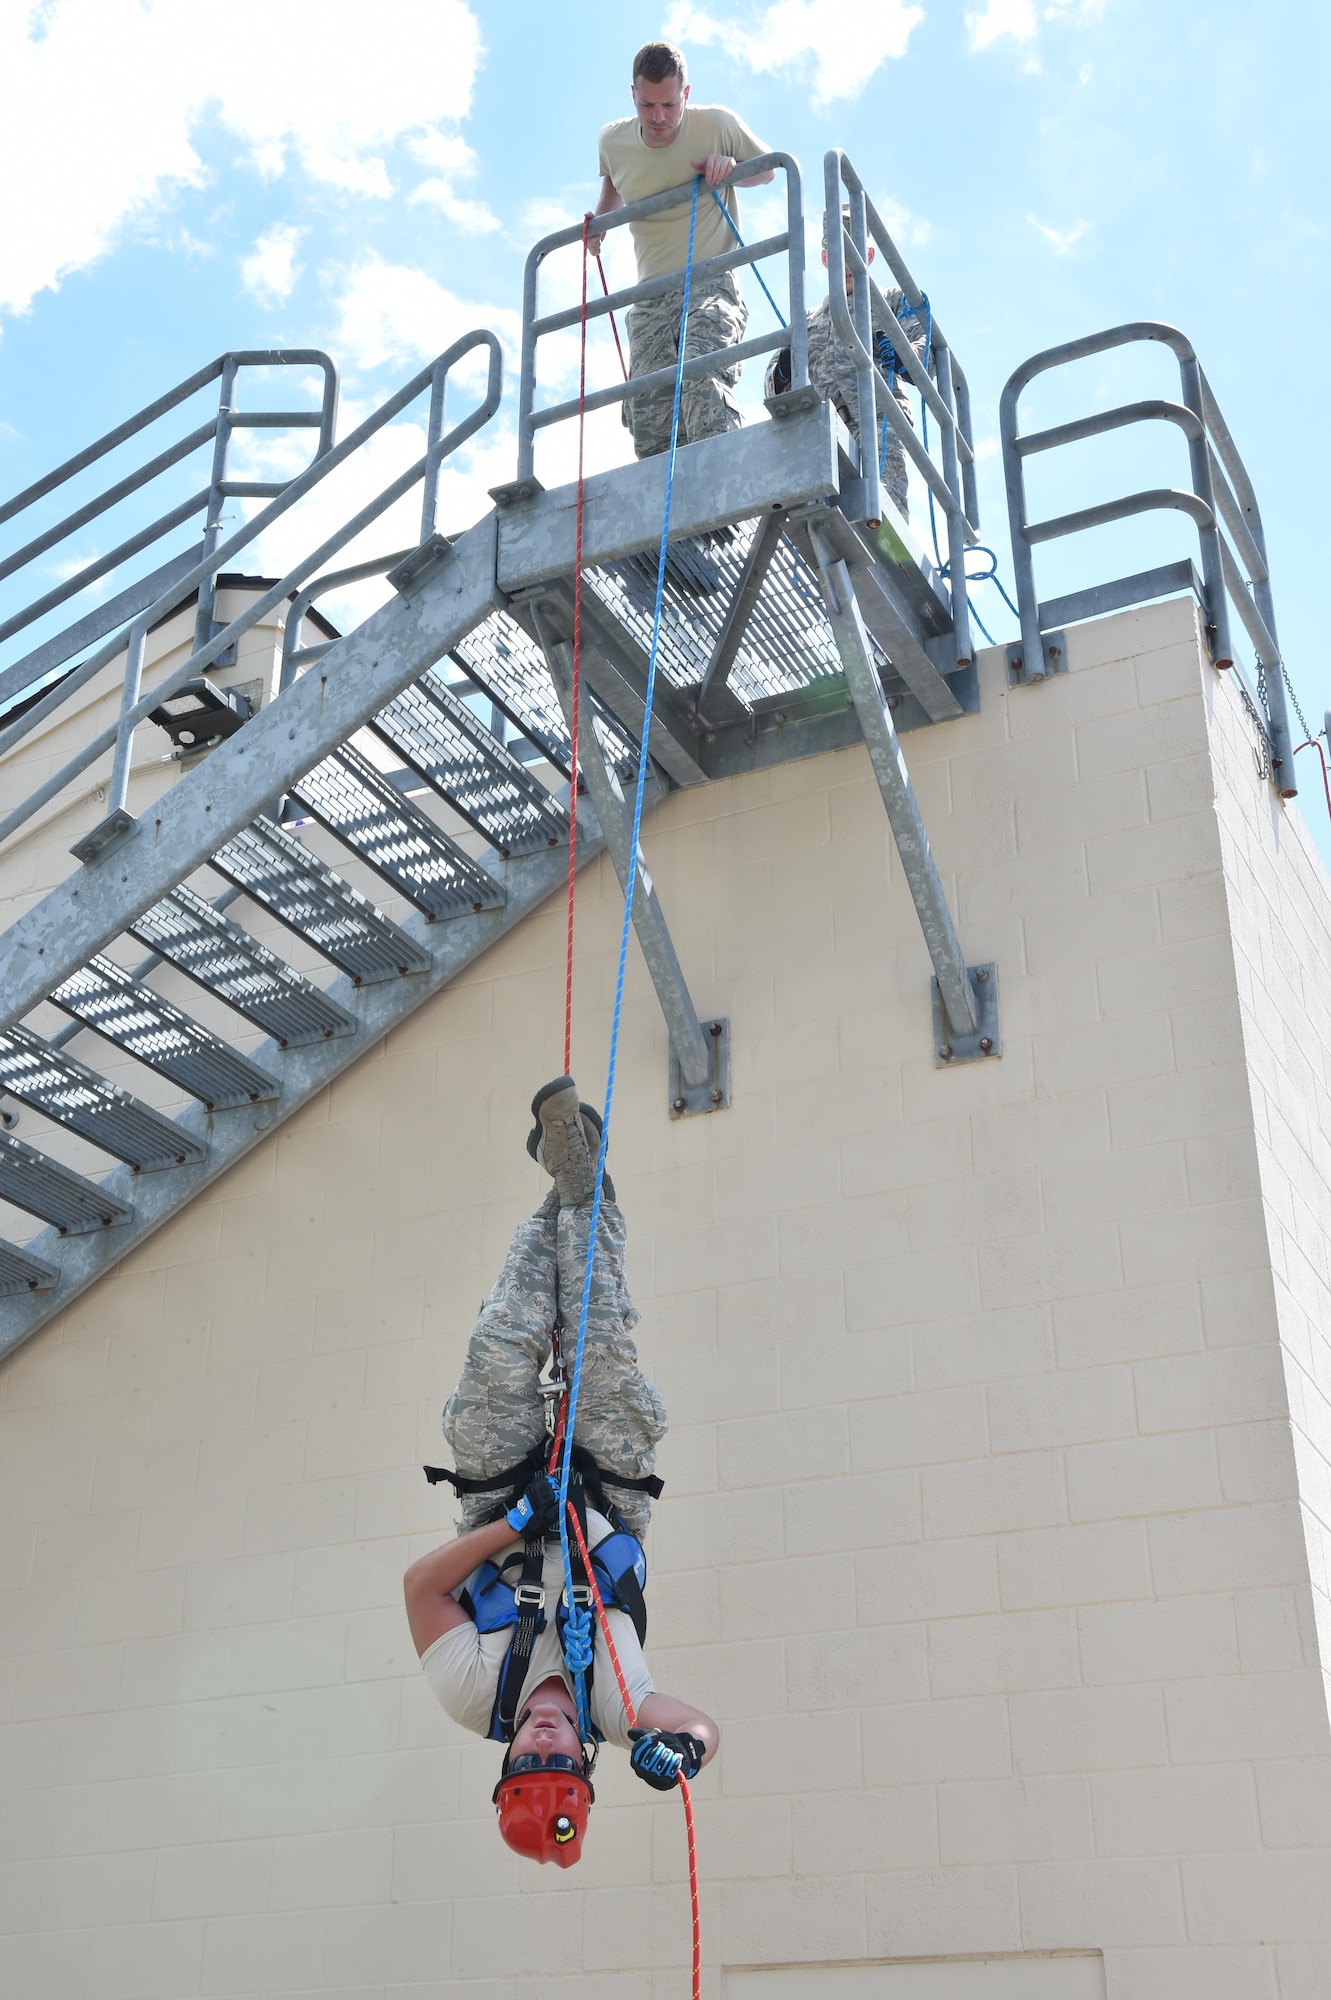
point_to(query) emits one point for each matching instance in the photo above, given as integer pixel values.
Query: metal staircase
(432, 745)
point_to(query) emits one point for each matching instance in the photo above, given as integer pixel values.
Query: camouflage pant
(832, 373)
(495, 1415)
(717, 318)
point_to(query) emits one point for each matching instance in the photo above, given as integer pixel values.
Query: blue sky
(368, 179)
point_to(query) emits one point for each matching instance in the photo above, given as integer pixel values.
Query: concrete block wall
(997, 1445)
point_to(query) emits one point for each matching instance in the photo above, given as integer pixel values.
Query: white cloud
(1059, 240)
(844, 41)
(270, 271)
(1001, 17)
(1021, 19)
(453, 160)
(396, 314)
(329, 85)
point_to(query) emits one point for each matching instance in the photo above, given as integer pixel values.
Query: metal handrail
(135, 707)
(23, 675)
(1221, 492)
(938, 377)
(790, 241)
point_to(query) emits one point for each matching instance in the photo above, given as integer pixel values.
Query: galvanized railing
(135, 706)
(1221, 495)
(22, 675)
(788, 243)
(938, 377)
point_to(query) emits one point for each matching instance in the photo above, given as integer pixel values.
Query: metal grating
(787, 644)
(357, 803)
(224, 959)
(271, 866)
(43, 1187)
(103, 996)
(72, 1095)
(442, 740)
(510, 668)
(21, 1273)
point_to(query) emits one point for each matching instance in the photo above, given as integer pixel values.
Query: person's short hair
(845, 217)
(655, 61)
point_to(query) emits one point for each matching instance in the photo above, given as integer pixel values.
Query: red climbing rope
(613, 328)
(684, 1793)
(577, 673)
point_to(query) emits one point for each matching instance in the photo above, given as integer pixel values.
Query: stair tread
(357, 803)
(70, 1094)
(450, 748)
(29, 1180)
(273, 868)
(103, 996)
(20, 1272)
(224, 959)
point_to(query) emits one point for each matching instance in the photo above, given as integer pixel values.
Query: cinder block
(855, 1670)
(261, 1953)
(942, 1912)
(1087, 1729)
(1071, 1407)
(1232, 1385)
(1236, 1718)
(991, 1495)
(1008, 1654)
(798, 1922)
(1143, 1476)
(136, 1606)
(930, 1743)
(1165, 1639)
(1194, 1972)
(1096, 1563)
(792, 1755)
(865, 1831)
(1294, 1801)
(808, 1444)
(1225, 1236)
(1232, 1899)
(939, 1425)
(1174, 1812)
(331, 1870)
(1134, 1902)
(1235, 1548)
(761, 1600)
(1056, 1264)
(1014, 1819)
(828, 1515)
(1136, 1323)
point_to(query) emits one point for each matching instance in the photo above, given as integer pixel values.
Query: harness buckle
(529, 1595)
(581, 1596)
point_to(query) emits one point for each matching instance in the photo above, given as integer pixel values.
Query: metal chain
(1308, 735)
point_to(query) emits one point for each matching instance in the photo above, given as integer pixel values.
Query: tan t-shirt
(636, 170)
(463, 1666)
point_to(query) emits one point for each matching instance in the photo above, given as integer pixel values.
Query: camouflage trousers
(717, 318)
(495, 1416)
(832, 373)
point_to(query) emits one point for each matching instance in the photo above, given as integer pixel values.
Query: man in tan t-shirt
(663, 144)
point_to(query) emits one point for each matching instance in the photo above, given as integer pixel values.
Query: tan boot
(559, 1141)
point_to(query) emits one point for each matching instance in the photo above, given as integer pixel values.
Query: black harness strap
(529, 1597)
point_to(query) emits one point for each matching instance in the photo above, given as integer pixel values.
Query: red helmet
(543, 1812)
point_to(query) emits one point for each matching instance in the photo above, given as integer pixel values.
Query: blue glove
(537, 1512)
(661, 1757)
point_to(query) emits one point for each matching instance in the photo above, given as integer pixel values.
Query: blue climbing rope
(578, 1628)
(740, 240)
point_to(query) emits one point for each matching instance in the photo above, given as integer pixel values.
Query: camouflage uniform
(832, 373)
(717, 318)
(495, 1415)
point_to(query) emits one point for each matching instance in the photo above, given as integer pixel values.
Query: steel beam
(616, 667)
(740, 609)
(889, 768)
(681, 1016)
(232, 786)
(717, 481)
(889, 618)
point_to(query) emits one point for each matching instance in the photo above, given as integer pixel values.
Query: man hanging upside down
(478, 1606)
